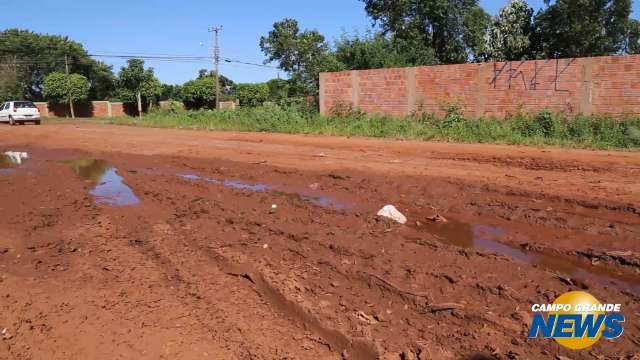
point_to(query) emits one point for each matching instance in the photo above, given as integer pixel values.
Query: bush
(199, 93)
(537, 129)
(252, 95)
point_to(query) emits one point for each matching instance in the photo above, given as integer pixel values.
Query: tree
(66, 88)
(170, 92)
(252, 94)
(452, 28)
(278, 89)
(510, 32)
(225, 82)
(576, 28)
(136, 83)
(9, 85)
(199, 93)
(375, 50)
(477, 23)
(632, 43)
(301, 54)
(37, 55)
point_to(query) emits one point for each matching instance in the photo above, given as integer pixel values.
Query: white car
(15, 112)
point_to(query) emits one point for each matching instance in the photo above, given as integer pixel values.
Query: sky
(148, 27)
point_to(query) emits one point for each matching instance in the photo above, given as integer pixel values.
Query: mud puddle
(6, 166)
(318, 200)
(110, 188)
(484, 238)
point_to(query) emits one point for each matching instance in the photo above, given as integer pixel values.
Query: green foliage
(510, 32)
(544, 128)
(302, 54)
(452, 28)
(134, 79)
(10, 87)
(225, 82)
(252, 94)
(375, 50)
(171, 92)
(278, 90)
(632, 41)
(27, 58)
(64, 88)
(476, 24)
(458, 31)
(575, 28)
(199, 93)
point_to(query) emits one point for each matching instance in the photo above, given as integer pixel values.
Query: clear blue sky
(180, 27)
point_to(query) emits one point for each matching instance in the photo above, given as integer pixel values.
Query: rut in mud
(185, 256)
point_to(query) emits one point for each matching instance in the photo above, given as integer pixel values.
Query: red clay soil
(266, 246)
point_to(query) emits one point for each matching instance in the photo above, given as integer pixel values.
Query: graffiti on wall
(511, 72)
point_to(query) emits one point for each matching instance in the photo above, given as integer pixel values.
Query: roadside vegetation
(544, 128)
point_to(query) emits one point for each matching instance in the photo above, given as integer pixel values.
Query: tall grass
(544, 128)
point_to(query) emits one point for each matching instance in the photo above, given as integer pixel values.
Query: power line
(149, 58)
(180, 58)
(249, 63)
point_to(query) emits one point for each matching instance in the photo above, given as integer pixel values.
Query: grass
(544, 128)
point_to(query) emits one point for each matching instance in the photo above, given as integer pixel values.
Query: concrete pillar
(321, 100)
(355, 89)
(43, 107)
(411, 90)
(109, 110)
(482, 84)
(585, 99)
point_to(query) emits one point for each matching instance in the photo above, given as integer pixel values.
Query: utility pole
(66, 68)
(216, 59)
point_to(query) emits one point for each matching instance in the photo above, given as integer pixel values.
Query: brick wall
(604, 85)
(83, 109)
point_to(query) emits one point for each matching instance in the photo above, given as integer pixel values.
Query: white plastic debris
(274, 206)
(16, 157)
(390, 212)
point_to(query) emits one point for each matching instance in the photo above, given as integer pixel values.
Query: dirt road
(131, 243)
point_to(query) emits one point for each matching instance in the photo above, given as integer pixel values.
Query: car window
(4, 106)
(24, 105)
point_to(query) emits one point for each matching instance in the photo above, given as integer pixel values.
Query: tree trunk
(73, 113)
(139, 105)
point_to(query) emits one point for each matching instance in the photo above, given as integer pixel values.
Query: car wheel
(37, 122)
(11, 121)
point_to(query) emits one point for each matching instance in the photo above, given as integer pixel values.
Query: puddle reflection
(110, 188)
(319, 200)
(484, 238)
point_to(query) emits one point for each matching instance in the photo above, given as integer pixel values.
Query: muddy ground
(129, 243)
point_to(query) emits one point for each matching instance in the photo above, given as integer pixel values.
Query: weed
(543, 128)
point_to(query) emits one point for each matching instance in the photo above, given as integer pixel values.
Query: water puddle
(8, 164)
(319, 200)
(484, 238)
(5, 162)
(109, 188)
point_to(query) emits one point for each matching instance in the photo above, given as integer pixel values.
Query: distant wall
(82, 109)
(106, 108)
(603, 85)
(87, 109)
